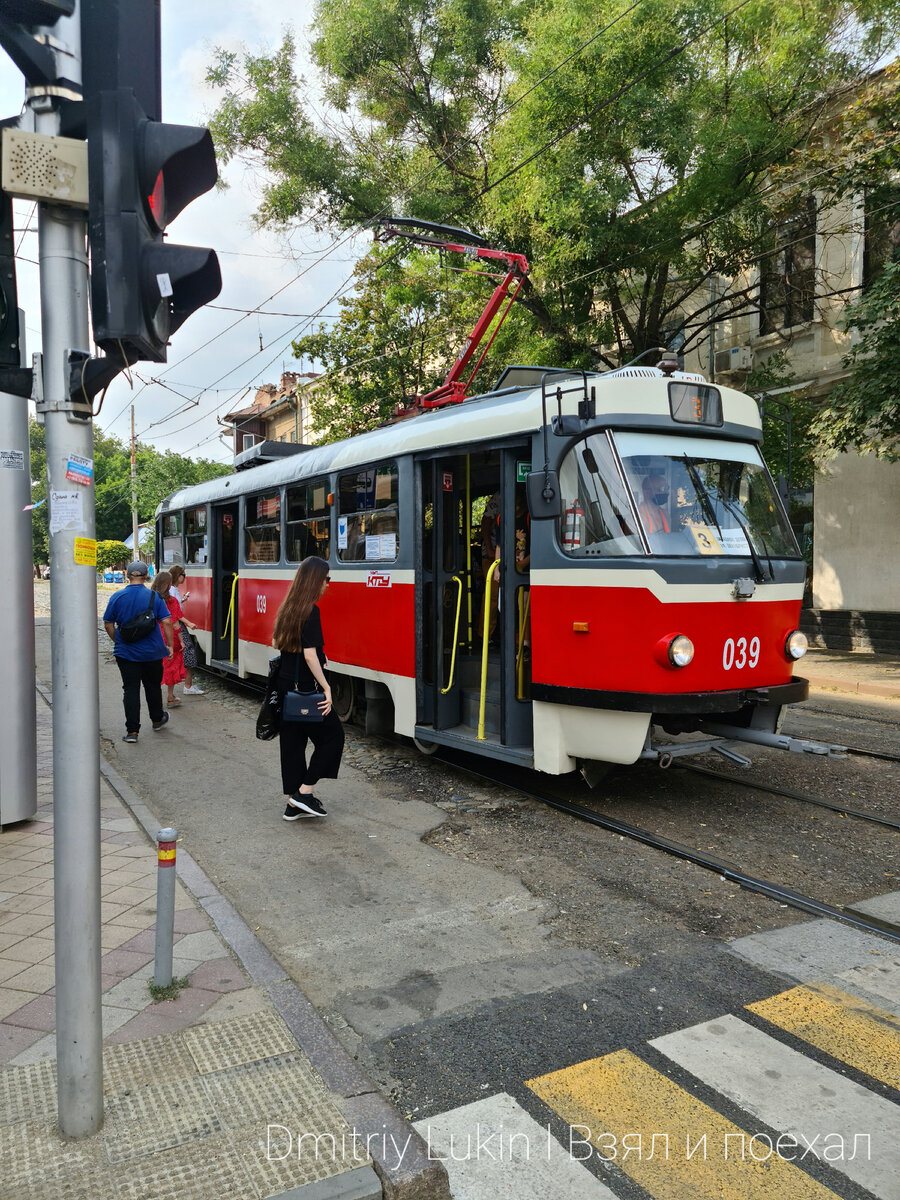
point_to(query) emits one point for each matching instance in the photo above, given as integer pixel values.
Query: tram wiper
(706, 503)
(754, 553)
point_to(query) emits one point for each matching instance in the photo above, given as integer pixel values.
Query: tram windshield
(679, 496)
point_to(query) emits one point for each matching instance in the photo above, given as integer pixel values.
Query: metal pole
(18, 748)
(165, 906)
(136, 549)
(73, 592)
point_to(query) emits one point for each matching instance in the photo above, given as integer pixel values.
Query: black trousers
(133, 675)
(327, 738)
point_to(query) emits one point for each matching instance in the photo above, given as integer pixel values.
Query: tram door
(461, 498)
(226, 542)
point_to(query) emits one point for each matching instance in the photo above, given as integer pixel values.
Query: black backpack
(136, 628)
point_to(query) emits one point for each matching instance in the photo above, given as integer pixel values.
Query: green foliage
(625, 149)
(788, 443)
(112, 554)
(158, 475)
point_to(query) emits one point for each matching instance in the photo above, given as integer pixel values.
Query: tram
(570, 570)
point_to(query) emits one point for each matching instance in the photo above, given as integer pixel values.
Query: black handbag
(268, 723)
(303, 707)
(136, 628)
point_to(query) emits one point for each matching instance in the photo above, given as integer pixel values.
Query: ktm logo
(379, 579)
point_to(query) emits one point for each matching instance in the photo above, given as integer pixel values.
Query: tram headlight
(795, 644)
(681, 651)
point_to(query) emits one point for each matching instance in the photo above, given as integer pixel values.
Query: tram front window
(691, 496)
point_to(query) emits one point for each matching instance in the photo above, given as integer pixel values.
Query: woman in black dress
(298, 635)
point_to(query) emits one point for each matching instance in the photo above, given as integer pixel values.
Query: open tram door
(225, 550)
(466, 698)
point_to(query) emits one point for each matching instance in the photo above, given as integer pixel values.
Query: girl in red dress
(173, 666)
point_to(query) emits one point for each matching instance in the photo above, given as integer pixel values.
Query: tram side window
(598, 518)
(308, 527)
(262, 528)
(368, 515)
(171, 547)
(195, 536)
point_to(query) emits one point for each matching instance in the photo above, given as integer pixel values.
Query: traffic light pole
(73, 592)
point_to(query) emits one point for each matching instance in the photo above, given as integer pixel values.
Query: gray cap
(137, 568)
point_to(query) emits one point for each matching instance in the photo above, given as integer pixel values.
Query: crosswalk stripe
(790, 1093)
(881, 978)
(845, 1027)
(492, 1148)
(619, 1096)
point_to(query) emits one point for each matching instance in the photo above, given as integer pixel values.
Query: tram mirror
(566, 425)
(544, 499)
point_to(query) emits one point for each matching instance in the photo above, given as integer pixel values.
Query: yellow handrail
(458, 582)
(520, 656)
(484, 645)
(230, 619)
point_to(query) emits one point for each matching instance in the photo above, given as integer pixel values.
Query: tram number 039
(260, 604)
(740, 654)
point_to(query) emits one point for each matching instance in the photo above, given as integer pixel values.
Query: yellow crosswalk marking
(620, 1097)
(842, 1025)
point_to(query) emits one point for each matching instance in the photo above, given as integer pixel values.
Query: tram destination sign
(694, 404)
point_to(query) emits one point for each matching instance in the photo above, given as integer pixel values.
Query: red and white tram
(653, 586)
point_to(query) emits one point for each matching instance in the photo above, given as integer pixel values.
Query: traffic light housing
(10, 354)
(143, 173)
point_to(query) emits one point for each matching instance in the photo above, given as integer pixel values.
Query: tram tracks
(780, 893)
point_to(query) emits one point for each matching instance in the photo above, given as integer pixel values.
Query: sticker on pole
(12, 460)
(165, 285)
(80, 470)
(85, 551)
(66, 510)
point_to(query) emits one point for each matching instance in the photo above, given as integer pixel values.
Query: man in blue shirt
(139, 662)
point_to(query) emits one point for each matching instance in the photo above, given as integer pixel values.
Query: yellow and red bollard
(165, 906)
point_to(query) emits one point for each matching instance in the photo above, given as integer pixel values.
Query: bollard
(165, 906)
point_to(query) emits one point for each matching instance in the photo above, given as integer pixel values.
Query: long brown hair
(162, 583)
(298, 604)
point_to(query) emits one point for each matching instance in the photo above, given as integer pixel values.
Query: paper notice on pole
(85, 552)
(12, 460)
(66, 511)
(80, 470)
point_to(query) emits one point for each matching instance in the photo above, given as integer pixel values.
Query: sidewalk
(852, 671)
(192, 1085)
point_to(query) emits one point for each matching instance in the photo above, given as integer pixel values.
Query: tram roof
(499, 414)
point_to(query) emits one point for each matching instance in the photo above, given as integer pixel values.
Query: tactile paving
(190, 1173)
(36, 1163)
(223, 1044)
(158, 1117)
(27, 1092)
(133, 1065)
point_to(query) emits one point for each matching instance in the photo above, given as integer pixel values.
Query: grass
(168, 993)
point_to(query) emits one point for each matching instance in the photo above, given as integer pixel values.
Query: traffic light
(143, 173)
(9, 313)
(37, 12)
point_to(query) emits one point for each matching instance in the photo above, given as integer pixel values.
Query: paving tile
(202, 946)
(144, 1025)
(238, 1004)
(42, 1051)
(39, 1013)
(14, 1039)
(10, 967)
(20, 902)
(132, 992)
(30, 950)
(28, 1092)
(187, 1005)
(122, 963)
(24, 924)
(43, 888)
(112, 935)
(38, 1164)
(129, 895)
(7, 940)
(135, 918)
(191, 920)
(136, 1064)
(219, 975)
(10, 1000)
(37, 978)
(141, 943)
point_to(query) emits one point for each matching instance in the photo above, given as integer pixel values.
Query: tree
(112, 554)
(630, 166)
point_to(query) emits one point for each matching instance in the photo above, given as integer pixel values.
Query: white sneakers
(193, 690)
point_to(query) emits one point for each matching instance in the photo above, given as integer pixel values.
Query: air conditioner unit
(738, 358)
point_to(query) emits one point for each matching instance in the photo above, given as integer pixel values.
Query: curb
(417, 1177)
(854, 686)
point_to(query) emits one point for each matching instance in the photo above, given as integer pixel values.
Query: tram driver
(656, 497)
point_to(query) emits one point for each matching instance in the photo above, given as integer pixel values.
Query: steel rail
(709, 862)
(860, 813)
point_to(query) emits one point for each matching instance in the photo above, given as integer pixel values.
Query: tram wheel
(343, 696)
(425, 747)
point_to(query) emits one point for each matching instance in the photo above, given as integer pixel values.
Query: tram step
(471, 703)
(469, 671)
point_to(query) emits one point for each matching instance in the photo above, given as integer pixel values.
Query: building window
(262, 528)
(308, 525)
(787, 285)
(882, 234)
(248, 441)
(195, 536)
(368, 515)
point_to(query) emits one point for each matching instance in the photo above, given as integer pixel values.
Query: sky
(254, 265)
